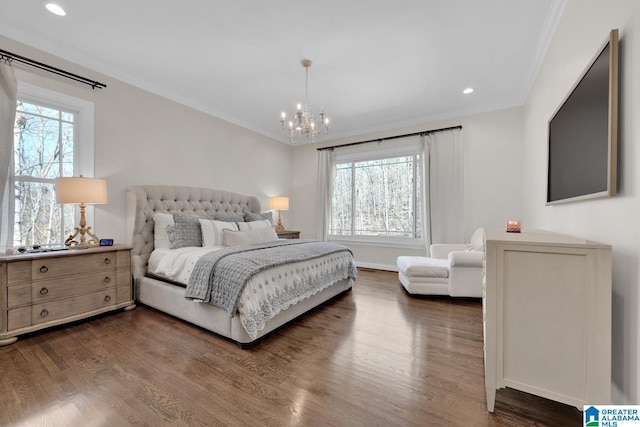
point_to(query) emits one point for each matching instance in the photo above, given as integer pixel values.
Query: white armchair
(452, 269)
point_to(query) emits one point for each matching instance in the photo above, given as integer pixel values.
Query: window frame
(83, 144)
(411, 149)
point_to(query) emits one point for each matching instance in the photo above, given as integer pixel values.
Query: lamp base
(83, 243)
(82, 231)
(279, 227)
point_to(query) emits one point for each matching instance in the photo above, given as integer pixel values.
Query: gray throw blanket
(219, 277)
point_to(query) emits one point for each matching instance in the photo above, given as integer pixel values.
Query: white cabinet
(547, 314)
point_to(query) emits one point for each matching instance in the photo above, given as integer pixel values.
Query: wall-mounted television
(583, 133)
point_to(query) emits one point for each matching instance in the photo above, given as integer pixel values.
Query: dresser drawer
(18, 295)
(19, 318)
(57, 309)
(18, 272)
(62, 287)
(123, 294)
(123, 277)
(64, 266)
(123, 259)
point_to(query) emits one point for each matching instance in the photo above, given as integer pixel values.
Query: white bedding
(177, 264)
(258, 303)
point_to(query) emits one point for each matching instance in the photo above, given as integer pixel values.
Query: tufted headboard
(145, 200)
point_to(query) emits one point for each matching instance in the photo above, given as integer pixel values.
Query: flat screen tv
(583, 133)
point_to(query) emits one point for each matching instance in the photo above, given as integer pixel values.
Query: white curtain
(326, 176)
(423, 166)
(8, 99)
(443, 167)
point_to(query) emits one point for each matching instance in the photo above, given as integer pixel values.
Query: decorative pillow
(261, 235)
(161, 221)
(254, 225)
(477, 239)
(212, 231)
(229, 217)
(186, 230)
(250, 216)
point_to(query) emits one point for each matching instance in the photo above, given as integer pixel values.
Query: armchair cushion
(419, 266)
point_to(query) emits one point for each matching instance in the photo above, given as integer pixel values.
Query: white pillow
(254, 225)
(261, 235)
(161, 221)
(477, 240)
(212, 231)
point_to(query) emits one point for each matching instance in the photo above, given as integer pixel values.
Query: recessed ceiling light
(55, 8)
(467, 91)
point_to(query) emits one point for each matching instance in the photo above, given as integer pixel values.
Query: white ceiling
(377, 64)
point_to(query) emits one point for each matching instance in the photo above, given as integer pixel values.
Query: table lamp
(280, 203)
(81, 191)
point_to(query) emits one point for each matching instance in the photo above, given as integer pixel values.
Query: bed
(167, 293)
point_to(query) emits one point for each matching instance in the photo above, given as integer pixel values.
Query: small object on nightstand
(288, 234)
(513, 226)
(106, 242)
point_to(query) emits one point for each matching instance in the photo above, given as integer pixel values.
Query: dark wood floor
(373, 357)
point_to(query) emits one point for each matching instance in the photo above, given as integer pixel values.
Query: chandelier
(304, 125)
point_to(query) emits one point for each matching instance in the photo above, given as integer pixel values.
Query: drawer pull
(44, 312)
(107, 298)
(107, 279)
(107, 261)
(44, 269)
(44, 291)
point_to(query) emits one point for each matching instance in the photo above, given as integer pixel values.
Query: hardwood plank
(373, 357)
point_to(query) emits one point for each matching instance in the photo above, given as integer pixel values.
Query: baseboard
(377, 266)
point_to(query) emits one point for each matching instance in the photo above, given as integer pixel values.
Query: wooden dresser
(547, 317)
(39, 290)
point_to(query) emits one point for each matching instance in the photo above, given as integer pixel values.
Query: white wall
(493, 158)
(141, 138)
(583, 28)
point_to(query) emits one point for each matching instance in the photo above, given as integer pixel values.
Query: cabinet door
(545, 294)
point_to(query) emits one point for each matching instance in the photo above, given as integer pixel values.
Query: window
(53, 137)
(377, 198)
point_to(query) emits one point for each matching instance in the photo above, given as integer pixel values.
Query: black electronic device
(106, 242)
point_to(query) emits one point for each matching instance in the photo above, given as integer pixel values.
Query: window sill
(373, 241)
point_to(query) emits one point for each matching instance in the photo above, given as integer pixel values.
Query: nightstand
(288, 234)
(39, 290)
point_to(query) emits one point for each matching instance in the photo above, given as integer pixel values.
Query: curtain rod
(8, 56)
(424, 132)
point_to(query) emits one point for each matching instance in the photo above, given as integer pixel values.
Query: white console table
(547, 316)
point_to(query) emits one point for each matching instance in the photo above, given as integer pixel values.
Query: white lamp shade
(279, 202)
(90, 191)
